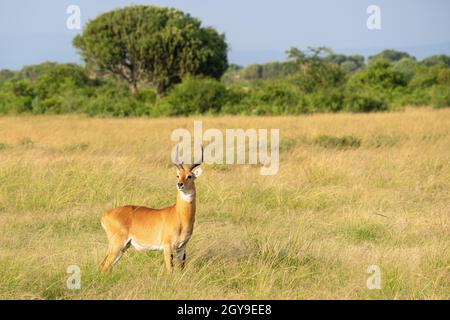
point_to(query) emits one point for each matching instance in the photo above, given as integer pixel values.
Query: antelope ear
(197, 172)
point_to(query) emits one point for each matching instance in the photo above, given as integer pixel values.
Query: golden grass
(308, 232)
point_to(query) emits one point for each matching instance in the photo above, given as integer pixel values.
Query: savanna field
(353, 190)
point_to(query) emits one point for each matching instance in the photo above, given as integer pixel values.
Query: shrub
(6, 75)
(10, 103)
(196, 95)
(326, 100)
(122, 106)
(379, 75)
(427, 77)
(436, 59)
(49, 105)
(274, 98)
(146, 95)
(16, 96)
(357, 102)
(390, 56)
(59, 79)
(440, 96)
(275, 93)
(236, 109)
(407, 67)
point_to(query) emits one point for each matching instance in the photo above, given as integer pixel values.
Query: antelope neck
(186, 196)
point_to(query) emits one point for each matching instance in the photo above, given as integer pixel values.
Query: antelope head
(186, 178)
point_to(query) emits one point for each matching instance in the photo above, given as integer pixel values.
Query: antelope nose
(180, 184)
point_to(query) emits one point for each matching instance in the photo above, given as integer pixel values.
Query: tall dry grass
(308, 232)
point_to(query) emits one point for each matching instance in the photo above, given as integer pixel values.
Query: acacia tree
(154, 45)
(315, 70)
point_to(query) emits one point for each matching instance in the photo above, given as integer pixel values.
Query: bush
(146, 95)
(274, 98)
(308, 84)
(436, 59)
(114, 99)
(440, 96)
(379, 75)
(329, 100)
(51, 105)
(196, 95)
(407, 67)
(16, 96)
(10, 103)
(6, 75)
(356, 102)
(427, 77)
(61, 78)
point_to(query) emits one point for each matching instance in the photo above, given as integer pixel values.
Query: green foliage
(6, 75)
(16, 96)
(59, 78)
(380, 75)
(315, 72)
(273, 92)
(314, 80)
(192, 96)
(274, 98)
(436, 59)
(377, 88)
(407, 67)
(429, 76)
(349, 63)
(34, 71)
(66, 88)
(151, 44)
(440, 96)
(390, 56)
(364, 102)
(326, 100)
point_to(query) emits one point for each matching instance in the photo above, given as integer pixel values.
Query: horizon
(33, 33)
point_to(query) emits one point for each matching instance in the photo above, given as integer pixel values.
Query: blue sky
(257, 30)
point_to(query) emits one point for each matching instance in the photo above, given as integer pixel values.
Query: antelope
(167, 229)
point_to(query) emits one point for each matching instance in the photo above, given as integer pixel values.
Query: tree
(154, 45)
(6, 74)
(314, 70)
(407, 67)
(436, 59)
(380, 75)
(34, 71)
(349, 63)
(390, 56)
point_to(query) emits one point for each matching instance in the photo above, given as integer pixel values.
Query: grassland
(353, 190)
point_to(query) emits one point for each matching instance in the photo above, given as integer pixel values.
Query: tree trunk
(160, 89)
(134, 88)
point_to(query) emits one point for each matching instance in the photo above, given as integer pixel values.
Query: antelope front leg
(168, 257)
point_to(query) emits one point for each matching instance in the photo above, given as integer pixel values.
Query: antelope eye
(189, 177)
(178, 177)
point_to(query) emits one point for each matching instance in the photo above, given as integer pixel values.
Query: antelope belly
(140, 247)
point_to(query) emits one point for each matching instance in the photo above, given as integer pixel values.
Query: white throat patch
(187, 195)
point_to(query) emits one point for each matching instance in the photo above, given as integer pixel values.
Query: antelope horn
(192, 166)
(177, 162)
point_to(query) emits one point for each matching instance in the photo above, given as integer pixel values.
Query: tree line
(147, 60)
